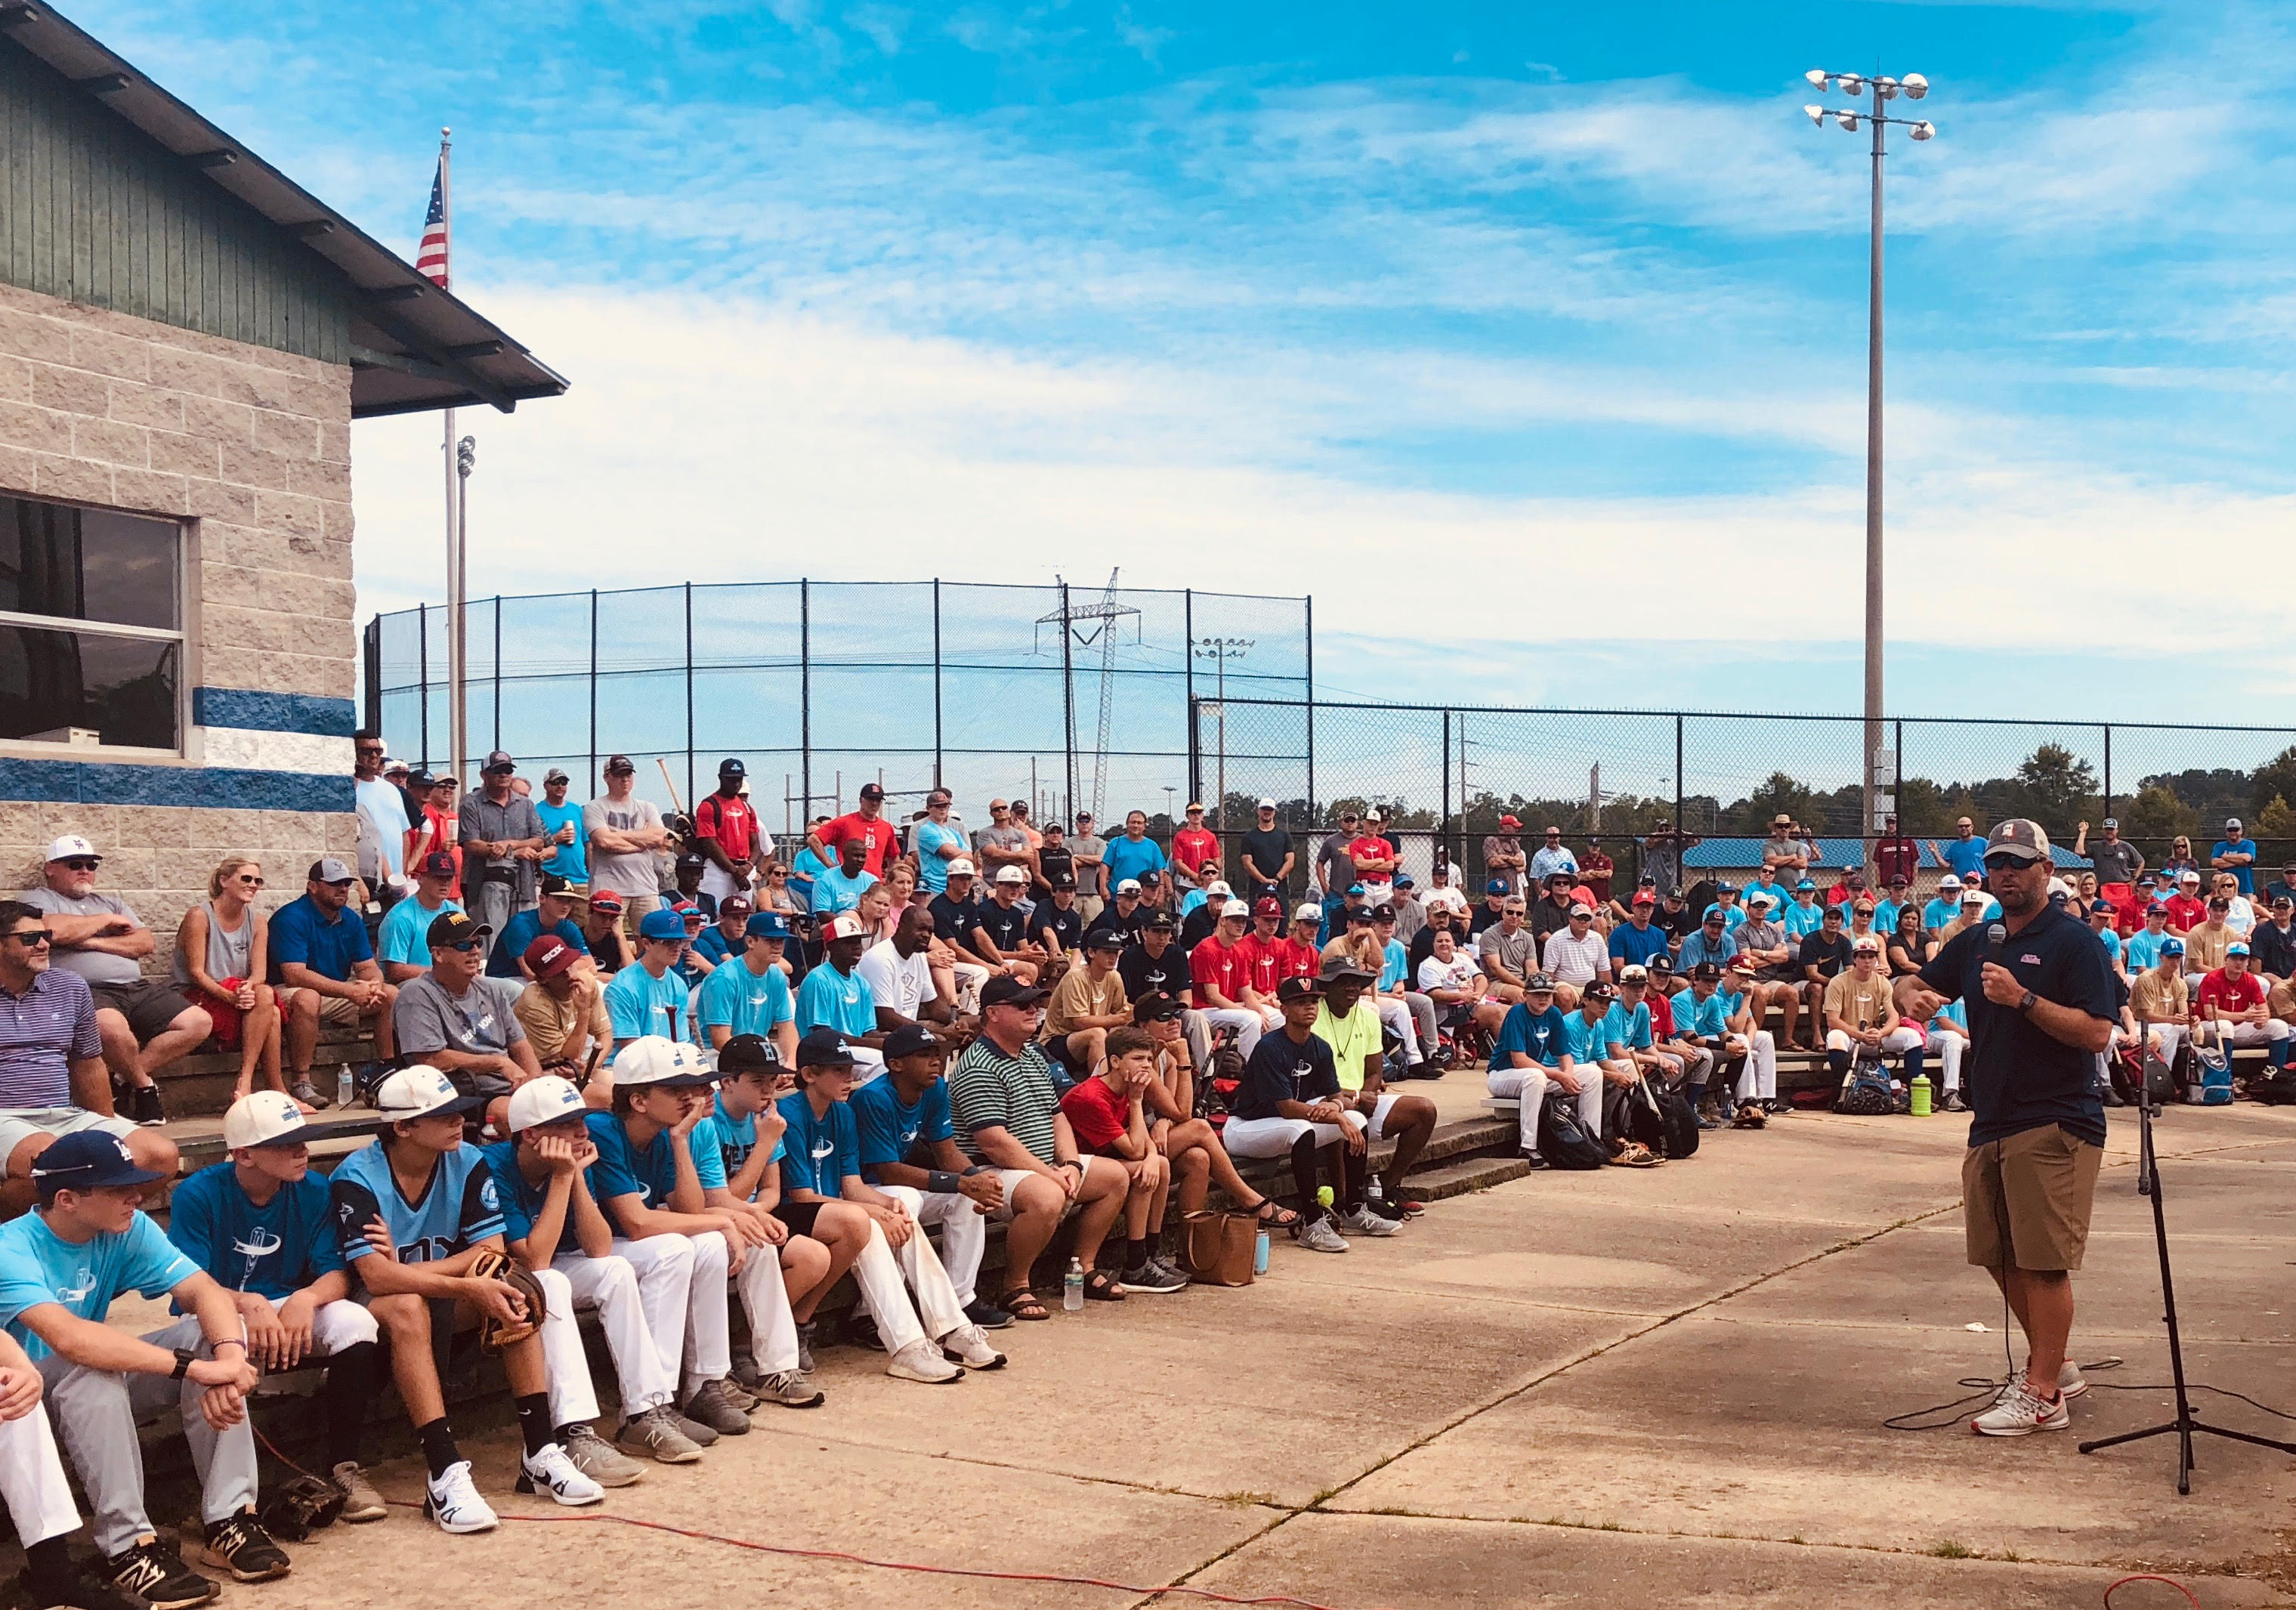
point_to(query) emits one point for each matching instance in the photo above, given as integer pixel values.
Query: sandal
(1022, 1304)
(1274, 1215)
(1101, 1286)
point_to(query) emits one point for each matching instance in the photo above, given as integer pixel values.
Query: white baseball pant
(1947, 1048)
(880, 1272)
(32, 1481)
(609, 1287)
(963, 1236)
(1758, 1078)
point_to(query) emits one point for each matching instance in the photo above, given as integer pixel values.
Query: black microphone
(1997, 934)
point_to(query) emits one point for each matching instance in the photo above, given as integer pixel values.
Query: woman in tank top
(219, 964)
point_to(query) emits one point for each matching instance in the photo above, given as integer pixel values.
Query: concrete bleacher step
(1473, 1172)
(201, 1083)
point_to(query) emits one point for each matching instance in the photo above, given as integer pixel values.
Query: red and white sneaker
(2019, 1413)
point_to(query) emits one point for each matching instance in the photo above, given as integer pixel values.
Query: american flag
(431, 259)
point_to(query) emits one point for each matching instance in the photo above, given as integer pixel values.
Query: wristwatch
(2029, 1003)
(185, 1357)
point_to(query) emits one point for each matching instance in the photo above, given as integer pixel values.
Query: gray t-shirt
(625, 875)
(1515, 951)
(97, 966)
(479, 1022)
(2116, 863)
(1007, 839)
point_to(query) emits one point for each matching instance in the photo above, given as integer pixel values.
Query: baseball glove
(301, 1505)
(495, 1335)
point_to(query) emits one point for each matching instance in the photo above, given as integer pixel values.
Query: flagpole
(457, 582)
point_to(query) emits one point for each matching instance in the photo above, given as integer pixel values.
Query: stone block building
(186, 337)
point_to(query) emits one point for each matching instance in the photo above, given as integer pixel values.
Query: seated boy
(908, 1151)
(1289, 1102)
(1106, 1113)
(414, 1209)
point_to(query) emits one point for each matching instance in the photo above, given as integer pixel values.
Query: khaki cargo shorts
(2038, 1185)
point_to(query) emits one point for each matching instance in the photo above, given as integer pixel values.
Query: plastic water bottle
(1378, 1196)
(1259, 1254)
(1073, 1287)
(345, 1088)
(1921, 1091)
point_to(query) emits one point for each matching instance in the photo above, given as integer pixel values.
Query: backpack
(1865, 1090)
(2274, 1088)
(1662, 1119)
(1560, 1141)
(2212, 1086)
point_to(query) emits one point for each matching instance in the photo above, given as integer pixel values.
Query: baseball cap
(1538, 983)
(692, 860)
(498, 759)
(845, 925)
(735, 905)
(1598, 991)
(1404, 880)
(2114, 823)
(1724, 886)
(908, 1041)
(419, 1091)
(1760, 902)
(1127, 886)
(1633, 972)
(2144, 878)
(2020, 838)
(766, 924)
(438, 864)
(2188, 875)
(1713, 914)
(962, 868)
(661, 924)
(2099, 908)
(1740, 964)
(824, 1048)
(1161, 923)
(1804, 883)
(420, 778)
(552, 883)
(71, 847)
(1951, 880)
(1307, 911)
(870, 791)
(2236, 948)
(617, 764)
(2231, 823)
(1354, 887)
(1582, 910)
(1510, 821)
(1644, 897)
(91, 1160)
(1265, 804)
(1382, 913)
(1062, 879)
(1218, 886)
(1159, 1005)
(1010, 874)
(556, 774)
(2172, 946)
(455, 928)
(1005, 990)
(1192, 806)
(1898, 880)
(750, 1053)
(651, 1059)
(549, 955)
(1298, 989)
(1866, 943)
(1660, 962)
(400, 767)
(260, 1118)
(331, 869)
(1232, 911)
(1268, 905)
(2157, 909)
(605, 902)
(1707, 971)
(543, 1100)
(1104, 938)
(1496, 886)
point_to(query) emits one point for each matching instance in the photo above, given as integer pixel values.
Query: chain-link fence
(1442, 777)
(1064, 696)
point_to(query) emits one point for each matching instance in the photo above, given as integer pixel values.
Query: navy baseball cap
(764, 925)
(2172, 946)
(90, 1160)
(731, 768)
(747, 1054)
(910, 1039)
(824, 1048)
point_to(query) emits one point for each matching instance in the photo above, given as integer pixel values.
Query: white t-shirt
(625, 875)
(1575, 961)
(382, 808)
(905, 985)
(1459, 972)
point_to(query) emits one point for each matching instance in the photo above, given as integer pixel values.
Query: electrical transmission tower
(1102, 617)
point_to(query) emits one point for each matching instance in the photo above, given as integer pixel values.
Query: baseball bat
(677, 803)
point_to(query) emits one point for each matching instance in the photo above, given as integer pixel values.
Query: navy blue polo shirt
(2018, 1077)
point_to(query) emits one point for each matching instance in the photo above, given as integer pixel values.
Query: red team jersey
(1197, 848)
(874, 832)
(729, 822)
(2223, 995)
(1263, 962)
(1220, 966)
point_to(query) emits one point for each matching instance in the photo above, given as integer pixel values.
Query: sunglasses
(31, 939)
(464, 944)
(250, 879)
(1997, 863)
(81, 863)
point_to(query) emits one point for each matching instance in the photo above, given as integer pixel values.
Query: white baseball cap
(962, 868)
(69, 846)
(847, 924)
(1307, 911)
(419, 1091)
(652, 1060)
(1949, 881)
(1266, 804)
(542, 1101)
(260, 1118)
(1010, 874)
(1128, 886)
(1218, 886)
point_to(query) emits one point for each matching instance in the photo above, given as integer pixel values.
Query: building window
(91, 627)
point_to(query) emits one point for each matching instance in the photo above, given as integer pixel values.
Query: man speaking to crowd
(2041, 1003)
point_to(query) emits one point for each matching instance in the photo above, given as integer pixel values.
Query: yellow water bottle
(1919, 1091)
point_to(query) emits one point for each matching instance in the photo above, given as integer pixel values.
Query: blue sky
(1529, 338)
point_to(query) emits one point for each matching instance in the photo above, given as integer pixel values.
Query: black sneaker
(74, 1590)
(987, 1315)
(1386, 1209)
(143, 1106)
(153, 1572)
(1535, 1161)
(241, 1547)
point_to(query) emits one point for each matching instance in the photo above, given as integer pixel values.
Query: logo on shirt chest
(84, 1283)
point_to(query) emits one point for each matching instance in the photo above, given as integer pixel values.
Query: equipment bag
(1681, 1121)
(2275, 1087)
(1866, 1089)
(1560, 1141)
(1219, 1247)
(2212, 1086)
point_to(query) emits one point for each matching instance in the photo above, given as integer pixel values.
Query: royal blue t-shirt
(1543, 1038)
(329, 949)
(1631, 947)
(889, 1130)
(522, 930)
(275, 1249)
(2018, 1077)
(622, 1169)
(819, 1150)
(1126, 859)
(2246, 874)
(1966, 857)
(522, 1198)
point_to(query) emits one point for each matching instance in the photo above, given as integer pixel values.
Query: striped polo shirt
(42, 1031)
(988, 1089)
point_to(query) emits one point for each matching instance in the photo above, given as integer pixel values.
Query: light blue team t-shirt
(721, 1144)
(459, 1208)
(831, 999)
(2144, 949)
(1937, 912)
(572, 861)
(932, 866)
(1586, 1042)
(1395, 966)
(38, 1267)
(1544, 1038)
(834, 891)
(639, 1003)
(405, 936)
(1631, 1029)
(1800, 921)
(1695, 1019)
(622, 1169)
(890, 1129)
(742, 1001)
(818, 1150)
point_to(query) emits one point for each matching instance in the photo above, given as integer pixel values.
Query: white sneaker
(2021, 1414)
(2071, 1383)
(551, 1471)
(921, 1361)
(1363, 1222)
(452, 1500)
(1321, 1237)
(971, 1348)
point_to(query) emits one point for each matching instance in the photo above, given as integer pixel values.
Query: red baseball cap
(607, 901)
(1268, 905)
(1510, 821)
(549, 955)
(1644, 897)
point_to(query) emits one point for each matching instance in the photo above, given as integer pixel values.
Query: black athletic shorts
(798, 1216)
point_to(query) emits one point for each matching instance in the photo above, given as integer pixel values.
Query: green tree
(2274, 779)
(2156, 814)
(2055, 787)
(2275, 820)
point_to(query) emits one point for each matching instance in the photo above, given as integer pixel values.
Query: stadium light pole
(1220, 651)
(1914, 87)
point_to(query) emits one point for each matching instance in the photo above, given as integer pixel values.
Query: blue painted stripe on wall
(261, 711)
(207, 787)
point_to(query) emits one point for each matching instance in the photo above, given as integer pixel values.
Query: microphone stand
(2148, 1184)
